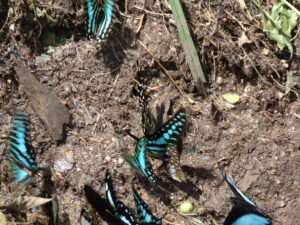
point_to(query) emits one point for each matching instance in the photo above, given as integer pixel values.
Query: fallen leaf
(50, 110)
(232, 98)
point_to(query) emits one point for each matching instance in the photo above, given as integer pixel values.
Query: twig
(165, 70)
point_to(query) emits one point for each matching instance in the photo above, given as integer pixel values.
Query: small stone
(219, 80)
(202, 211)
(266, 51)
(62, 165)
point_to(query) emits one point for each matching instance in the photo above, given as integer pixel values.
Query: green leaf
(279, 24)
(232, 98)
(3, 220)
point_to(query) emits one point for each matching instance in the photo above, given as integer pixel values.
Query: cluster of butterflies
(158, 142)
(21, 157)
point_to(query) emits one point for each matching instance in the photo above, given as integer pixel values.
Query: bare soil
(257, 141)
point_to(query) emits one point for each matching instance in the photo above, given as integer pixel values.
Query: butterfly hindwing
(21, 153)
(144, 213)
(118, 209)
(167, 135)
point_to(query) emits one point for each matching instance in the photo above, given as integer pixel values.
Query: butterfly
(21, 154)
(139, 161)
(159, 141)
(244, 211)
(145, 215)
(99, 18)
(117, 207)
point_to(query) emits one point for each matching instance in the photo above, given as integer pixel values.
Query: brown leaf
(50, 110)
(24, 202)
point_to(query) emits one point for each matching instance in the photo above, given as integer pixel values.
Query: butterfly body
(244, 211)
(99, 18)
(21, 153)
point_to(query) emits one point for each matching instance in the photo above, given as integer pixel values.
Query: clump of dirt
(256, 141)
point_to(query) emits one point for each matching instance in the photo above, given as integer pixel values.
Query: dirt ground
(257, 141)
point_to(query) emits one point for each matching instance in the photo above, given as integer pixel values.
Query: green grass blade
(188, 46)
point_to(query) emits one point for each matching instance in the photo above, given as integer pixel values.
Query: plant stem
(291, 7)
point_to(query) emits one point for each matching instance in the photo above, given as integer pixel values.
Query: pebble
(62, 165)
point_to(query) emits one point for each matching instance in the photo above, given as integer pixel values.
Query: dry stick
(166, 72)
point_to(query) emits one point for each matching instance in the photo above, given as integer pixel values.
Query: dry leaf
(24, 202)
(243, 40)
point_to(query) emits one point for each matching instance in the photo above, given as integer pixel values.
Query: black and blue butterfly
(120, 211)
(244, 211)
(161, 138)
(100, 17)
(21, 153)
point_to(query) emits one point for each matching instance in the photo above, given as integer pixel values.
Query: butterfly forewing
(21, 153)
(92, 17)
(99, 17)
(237, 191)
(167, 135)
(144, 213)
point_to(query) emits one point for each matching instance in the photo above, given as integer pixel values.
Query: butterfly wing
(144, 213)
(141, 159)
(237, 191)
(117, 207)
(174, 166)
(21, 153)
(139, 162)
(108, 13)
(167, 135)
(251, 219)
(93, 14)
